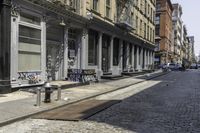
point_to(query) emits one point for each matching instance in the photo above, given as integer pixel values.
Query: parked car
(172, 66)
(198, 65)
(180, 67)
(161, 66)
(193, 66)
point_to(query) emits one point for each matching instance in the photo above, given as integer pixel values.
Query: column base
(139, 68)
(99, 74)
(5, 87)
(120, 71)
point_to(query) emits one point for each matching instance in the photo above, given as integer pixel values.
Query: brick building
(163, 20)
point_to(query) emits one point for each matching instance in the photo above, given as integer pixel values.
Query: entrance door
(73, 58)
(54, 61)
(124, 57)
(135, 57)
(55, 52)
(105, 54)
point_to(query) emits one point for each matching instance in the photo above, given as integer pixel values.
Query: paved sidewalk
(23, 105)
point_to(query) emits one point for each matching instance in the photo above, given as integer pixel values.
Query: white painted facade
(57, 39)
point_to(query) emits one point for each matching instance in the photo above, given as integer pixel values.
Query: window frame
(29, 25)
(141, 25)
(95, 7)
(108, 8)
(136, 24)
(145, 30)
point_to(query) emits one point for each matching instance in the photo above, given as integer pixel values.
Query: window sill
(93, 65)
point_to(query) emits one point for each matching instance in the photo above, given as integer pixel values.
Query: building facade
(177, 31)
(190, 54)
(185, 48)
(163, 28)
(191, 47)
(51, 37)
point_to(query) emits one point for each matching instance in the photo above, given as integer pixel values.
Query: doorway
(54, 52)
(124, 56)
(105, 53)
(135, 57)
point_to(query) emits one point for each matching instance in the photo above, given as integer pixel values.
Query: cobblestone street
(171, 106)
(167, 104)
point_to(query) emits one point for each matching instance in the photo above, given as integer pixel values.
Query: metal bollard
(48, 91)
(59, 93)
(38, 100)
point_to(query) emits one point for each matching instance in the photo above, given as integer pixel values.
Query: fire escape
(124, 18)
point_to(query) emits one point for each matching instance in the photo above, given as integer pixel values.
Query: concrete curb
(9, 121)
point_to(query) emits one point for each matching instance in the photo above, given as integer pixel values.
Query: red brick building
(163, 21)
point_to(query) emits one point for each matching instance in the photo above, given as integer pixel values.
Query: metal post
(48, 91)
(38, 102)
(59, 93)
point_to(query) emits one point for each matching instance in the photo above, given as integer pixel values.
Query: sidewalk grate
(78, 111)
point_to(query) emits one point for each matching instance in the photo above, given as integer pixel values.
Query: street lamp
(62, 23)
(89, 15)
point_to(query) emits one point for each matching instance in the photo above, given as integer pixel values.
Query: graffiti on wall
(32, 77)
(82, 75)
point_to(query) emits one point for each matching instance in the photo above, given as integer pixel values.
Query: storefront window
(29, 52)
(92, 48)
(116, 52)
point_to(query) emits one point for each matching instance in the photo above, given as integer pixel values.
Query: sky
(191, 18)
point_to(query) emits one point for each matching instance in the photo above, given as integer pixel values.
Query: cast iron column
(5, 31)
